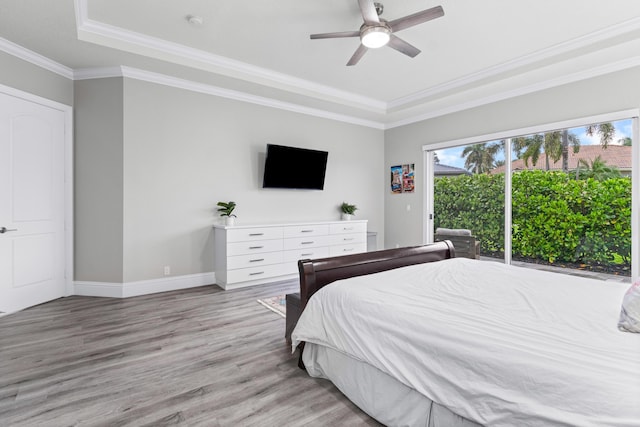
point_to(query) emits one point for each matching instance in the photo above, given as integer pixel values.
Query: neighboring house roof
(446, 170)
(614, 155)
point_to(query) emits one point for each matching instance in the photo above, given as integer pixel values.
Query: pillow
(630, 312)
(453, 231)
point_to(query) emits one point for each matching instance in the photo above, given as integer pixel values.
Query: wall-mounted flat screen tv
(292, 167)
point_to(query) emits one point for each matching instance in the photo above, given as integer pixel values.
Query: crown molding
(548, 84)
(219, 63)
(175, 82)
(541, 55)
(134, 73)
(35, 58)
(147, 76)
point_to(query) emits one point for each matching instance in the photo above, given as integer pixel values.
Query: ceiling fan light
(375, 37)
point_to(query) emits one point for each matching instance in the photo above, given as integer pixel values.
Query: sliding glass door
(467, 198)
(554, 199)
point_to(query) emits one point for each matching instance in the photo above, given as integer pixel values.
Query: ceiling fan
(376, 32)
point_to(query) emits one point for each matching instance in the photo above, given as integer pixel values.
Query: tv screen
(291, 167)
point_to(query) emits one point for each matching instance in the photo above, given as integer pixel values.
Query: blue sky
(451, 156)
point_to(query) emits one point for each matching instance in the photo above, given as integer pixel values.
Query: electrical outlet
(167, 270)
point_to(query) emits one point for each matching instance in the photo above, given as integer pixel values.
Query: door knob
(6, 230)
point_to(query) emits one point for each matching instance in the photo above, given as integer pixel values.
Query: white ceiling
(480, 51)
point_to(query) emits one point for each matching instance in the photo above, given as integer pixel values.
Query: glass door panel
(468, 199)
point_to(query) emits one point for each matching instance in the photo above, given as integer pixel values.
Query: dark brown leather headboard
(314, 274)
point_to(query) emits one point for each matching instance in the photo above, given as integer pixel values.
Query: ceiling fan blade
(402, 46)
(369, 13)
(416, 18)
(359, 53)
(335, 35)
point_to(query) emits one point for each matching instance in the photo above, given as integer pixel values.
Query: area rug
(277, 304)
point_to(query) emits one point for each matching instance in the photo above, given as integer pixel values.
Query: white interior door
(32, 203)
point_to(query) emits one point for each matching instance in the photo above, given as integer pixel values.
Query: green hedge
(555, 217)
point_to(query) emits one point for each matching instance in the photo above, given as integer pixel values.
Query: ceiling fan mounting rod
(379, 8)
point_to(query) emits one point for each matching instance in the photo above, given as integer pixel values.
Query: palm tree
(597, 169)
(606, 131)
(532, 147)
(554, 145)
(528, 147)
(480, 158)
(568, 138)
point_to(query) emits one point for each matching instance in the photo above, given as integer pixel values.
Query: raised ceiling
(478, 52)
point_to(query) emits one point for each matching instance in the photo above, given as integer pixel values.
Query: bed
(415, 336)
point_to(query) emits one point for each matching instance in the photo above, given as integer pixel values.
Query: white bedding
(499, 345)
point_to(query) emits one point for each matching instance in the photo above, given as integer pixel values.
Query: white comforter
(500, 345)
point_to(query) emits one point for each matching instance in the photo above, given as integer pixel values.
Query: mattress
(496, 344)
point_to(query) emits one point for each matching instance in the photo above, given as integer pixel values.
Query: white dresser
(248, 255)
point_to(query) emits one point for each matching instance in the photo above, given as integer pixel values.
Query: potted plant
(226, 210)
(347, 210)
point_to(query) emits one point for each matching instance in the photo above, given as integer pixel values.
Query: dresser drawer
(256, 273)
(354, 248)
(253, 234)
(306, 242)
(308, 253)
(348, 227)
(343, 239)
(256, 247)
(306, 230)
(254, 260)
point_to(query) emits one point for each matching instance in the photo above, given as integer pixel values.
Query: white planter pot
(230, 220)
(346, 217)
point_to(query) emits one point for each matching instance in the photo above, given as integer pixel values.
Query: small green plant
(348, 209)
(226, 209)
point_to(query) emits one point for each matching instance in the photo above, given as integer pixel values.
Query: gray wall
(98, 180)
(181, 153)
(19, 74)
(605, 94)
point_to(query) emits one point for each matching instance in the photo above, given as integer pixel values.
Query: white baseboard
(142, 287)
(98, 289)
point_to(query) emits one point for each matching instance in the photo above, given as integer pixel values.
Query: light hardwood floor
(201, 357)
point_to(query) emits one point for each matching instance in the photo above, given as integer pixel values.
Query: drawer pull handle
(256, 247)
(306, 243)
(347, 228)
(256, 273)
(348, 250)
(349, 238)
(306, 231)
(256, 234)
(309, 254)
(256, 260)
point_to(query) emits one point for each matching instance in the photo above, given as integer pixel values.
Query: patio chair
(465, 244)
